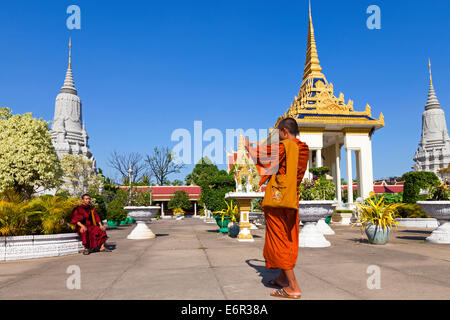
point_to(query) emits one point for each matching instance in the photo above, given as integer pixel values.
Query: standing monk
(283, 164)
(89, 226)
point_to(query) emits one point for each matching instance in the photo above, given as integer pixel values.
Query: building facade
(68, 131)
(433, 152)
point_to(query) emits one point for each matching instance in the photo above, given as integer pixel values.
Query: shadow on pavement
(265, 273)
(416, 231)
(412, 238)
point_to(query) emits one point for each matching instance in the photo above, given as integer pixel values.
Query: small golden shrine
(246, 175)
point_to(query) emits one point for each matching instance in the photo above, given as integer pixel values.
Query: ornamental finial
(429, 67)
(312, 64)
(70, 53)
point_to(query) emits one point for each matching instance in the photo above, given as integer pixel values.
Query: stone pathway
(190, 260)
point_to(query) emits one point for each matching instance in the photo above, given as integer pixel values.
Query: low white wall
(418, 222)
(43, 246)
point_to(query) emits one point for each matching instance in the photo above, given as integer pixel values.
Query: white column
(306, 176)
(358, 172)
(195, 208)
(349, 176)
(318, 158)
(310, 163)
(338, 170)
(366, 169)
(162, 209)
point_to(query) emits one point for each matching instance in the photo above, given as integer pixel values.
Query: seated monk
(283, 165)
(89, 226)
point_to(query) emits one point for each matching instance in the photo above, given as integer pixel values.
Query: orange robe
(282, 225)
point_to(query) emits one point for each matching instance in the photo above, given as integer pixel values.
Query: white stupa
(433, 152)
(68, 132)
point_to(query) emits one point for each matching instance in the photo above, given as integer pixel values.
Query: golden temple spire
(429, 67)
(312, 64)
(70, 53)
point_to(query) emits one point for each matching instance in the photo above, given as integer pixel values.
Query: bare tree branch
(162, 164)
(122, 162)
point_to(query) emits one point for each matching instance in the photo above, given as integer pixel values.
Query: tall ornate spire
(312, 63)
(69, 84)
(432, 102)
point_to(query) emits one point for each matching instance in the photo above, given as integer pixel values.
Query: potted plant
(225, 217)
(377, 218)
(438, 206)
(178, 212)
(115, 213)
(316, 203)
(233, 226)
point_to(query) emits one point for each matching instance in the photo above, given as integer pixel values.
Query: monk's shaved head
(290, 125)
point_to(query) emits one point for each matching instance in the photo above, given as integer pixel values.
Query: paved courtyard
(190, 260)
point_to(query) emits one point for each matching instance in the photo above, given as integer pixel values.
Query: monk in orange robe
(282, 223)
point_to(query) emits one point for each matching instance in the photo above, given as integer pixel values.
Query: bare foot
(292, 292)
(278, 283)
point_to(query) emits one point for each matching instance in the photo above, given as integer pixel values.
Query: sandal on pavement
(86, 252)
(281, 293)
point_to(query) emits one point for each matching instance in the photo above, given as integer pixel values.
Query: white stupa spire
(69, 84)
(69, 135)
(432, 102)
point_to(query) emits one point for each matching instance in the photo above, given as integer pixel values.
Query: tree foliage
(179, 200)
(123, 162)
(416, 181)
(202, 170)
(28, 159)
(80, 176)
(215, 184)
(162, 163)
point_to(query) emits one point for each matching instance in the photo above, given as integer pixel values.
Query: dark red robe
(94, 237)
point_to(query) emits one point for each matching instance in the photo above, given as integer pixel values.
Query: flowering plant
(178, 211)
(232, 212)
(441, 192)
(317, 189)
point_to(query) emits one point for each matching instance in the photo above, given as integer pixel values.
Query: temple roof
(316, 104)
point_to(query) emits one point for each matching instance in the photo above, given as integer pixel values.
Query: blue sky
(145, 68)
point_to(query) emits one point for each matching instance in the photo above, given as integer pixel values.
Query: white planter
(441, 211)
(42, 246)
(324, 227)
(309, 213)
(418, 222)
(142, 215)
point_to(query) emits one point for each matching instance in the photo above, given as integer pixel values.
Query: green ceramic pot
(113, 223)
(233, 230)
(223, 224)
(377, 235)
(129, 220)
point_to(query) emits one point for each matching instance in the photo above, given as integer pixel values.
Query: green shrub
(319, 172)
(115, 211)
(99, 203)
(411, 210)
(141, 199)
(389, 198)
(179, 200)
(415, 181)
